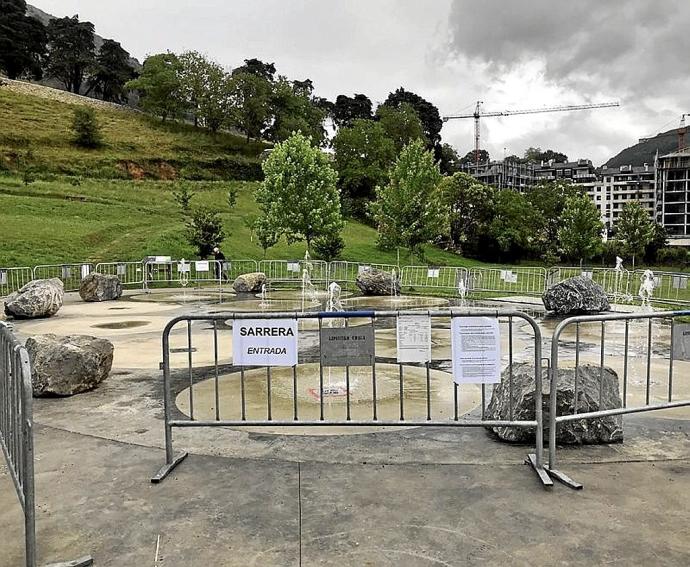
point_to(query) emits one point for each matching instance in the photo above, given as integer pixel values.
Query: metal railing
(221, 393)
(70, 274)
(16, 435)
(645, 338)
(346, 272)
(13, 279)
(129, 273)
(436, 277)
(522, 281)
(292, 270)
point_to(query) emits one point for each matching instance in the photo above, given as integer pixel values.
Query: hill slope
(36, 136)
(644, 152)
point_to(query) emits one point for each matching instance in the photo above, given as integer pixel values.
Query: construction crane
(478, 113)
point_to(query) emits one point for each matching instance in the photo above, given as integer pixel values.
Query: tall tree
(206, 90)
(193, 75)
(470, 158)
(363, 155)
(347, 109)
(427, 112)
(258, 68)
(449, 160)
(251, 102)
(111, 73)
(538, 155)
(401, 124)
(580, 227)
(294, 111)
(159, 86)
(510, 233)
(22, 41)
(298, 197)
(635, 228)
(71, 51)
(549, 198)
(408, 209)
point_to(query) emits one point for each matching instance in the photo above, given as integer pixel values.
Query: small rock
(576, 296)
(64, 366)
(100, 287)
(249, 283)
(38, 298)
(377, 282)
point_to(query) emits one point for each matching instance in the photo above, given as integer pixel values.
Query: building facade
(673, 195)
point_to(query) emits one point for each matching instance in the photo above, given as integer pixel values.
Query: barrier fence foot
(85, 561)
(167, 468)
(541, 471)
(563, 478)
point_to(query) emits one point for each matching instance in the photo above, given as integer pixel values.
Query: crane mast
(479, 113)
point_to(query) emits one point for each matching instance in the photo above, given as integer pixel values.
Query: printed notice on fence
(264, 342)
(201, 266)
(414, 338)
(681, 341)
(476, 350)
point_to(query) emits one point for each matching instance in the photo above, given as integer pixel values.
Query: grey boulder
(38, 298)
(64, 366)
(249, 283)
(592, 431)
(377, 282)
(576, 296)
(100, 287)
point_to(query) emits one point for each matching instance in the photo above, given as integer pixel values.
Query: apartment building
(673, 195)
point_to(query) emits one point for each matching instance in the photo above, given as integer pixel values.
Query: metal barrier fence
(645, 338)
(328, 381)
(618, 284)
(16, 435)
(669, 287)
(70, 274)
(525, 281)
(194, 272)
(436, 277)
(13, 279)
(347, 272)
(129, 273)
(292, 270)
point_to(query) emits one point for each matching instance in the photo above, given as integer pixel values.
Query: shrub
(87, 131)
(205, 230)
(673, 256)
(329, 248)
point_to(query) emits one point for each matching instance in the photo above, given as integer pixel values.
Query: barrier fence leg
(536, 459)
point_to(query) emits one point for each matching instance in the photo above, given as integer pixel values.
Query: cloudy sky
(509, 54)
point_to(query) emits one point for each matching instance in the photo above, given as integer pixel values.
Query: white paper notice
(201, 266)
(293, 267)
(476, 350)
(85, 270)
(432, 273)
(184, 267)
(503, 274)
(363, 269)
(264, 342)
(414, 338)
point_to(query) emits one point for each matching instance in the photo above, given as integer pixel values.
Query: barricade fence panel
(525, 281)
(318, 369)
(347, 272)
(129, 273)
(185, 273)
(70, 274)
(648, 352)
(667, 287)
(444, 277)
(293, 270)
(13, 279)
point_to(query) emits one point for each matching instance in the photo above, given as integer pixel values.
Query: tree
(294, 111)
(329, 248)
(658, 242)
(401, 124)
(347, 109)
(159, 86)
(71, 51)
(251, 103)
(265, 232)
(22, 41)
(538, 155)
(470, 158)
(205, 230)
(427, 112)
(469, 206)
(87, 132)
(580, 227)
(635, 228)
(449, 160)
(549, 198)
(298, 197)
(408, 210)
(111, 73)
(363, 155)
(510, 233)
(258, 68)
(183, 196)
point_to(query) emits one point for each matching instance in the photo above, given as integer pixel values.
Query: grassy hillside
(55, 221)
(36, 135)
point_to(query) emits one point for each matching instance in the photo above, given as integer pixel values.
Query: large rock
(377, 282)
(576, 296)
(592, 431)
(64, 366)
(38, 298)
(100, 287)
(249, 283)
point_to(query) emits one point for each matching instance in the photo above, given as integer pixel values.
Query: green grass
(36, 135)
(53, 221)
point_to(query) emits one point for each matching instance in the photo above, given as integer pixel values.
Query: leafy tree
(266, 233)
(401, 124)
(298, 197)
(469, 206)
(111, 73)
(87, 132)
(510, 234)
(449, 160)
(193, 74)
(580, 227)
(347, 109)
(183, 196)
(159, 86)
(407, 210)
(258, 68)
(329, 248)
(635, 228)
(251, 103)
(427, 112)
(470, 157)
(294, 111)
(71, 51)
(658, 242)
(549, 198)
(363, 154)
(538, 155)
(205, 230)
(22, 41)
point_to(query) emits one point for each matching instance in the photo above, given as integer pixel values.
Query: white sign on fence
(587, 275)
(121, 269)
(184, 267)
(362, 269)
(264, 342)
(476, 350)
(201, 266)
(433, 273)
(3, 277)
(293, 267)
(414, 338)
(503, 274)
(85, 270)
(680, 282)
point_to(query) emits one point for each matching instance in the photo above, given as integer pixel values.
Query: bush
(610, 249)
(673, 256)
(329, 248)
(205, 230)
(87, 132)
